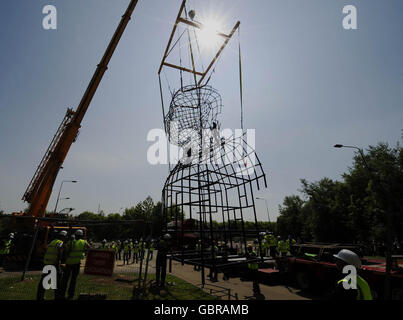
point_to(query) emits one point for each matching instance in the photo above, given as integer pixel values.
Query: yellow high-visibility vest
(272, 241)
(6, 249)
(282, 246)
(253, 265)
(52, 252)
(363, 290)
(76, 252)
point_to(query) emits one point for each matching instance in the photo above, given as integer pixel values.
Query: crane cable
(240, 76)
(244, 162)
(180, 60)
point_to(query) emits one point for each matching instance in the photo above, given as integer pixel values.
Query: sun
(208, 35)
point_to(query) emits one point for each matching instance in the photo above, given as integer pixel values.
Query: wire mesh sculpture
(192, 110)
(215, 178)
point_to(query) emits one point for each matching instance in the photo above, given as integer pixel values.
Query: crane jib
(40, 187)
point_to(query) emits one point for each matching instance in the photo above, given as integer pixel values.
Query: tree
(290, 220)
(327, 203)
(354, 209)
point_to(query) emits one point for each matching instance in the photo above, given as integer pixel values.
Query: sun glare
(208, 37)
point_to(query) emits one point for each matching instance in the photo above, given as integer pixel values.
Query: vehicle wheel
(303, 281)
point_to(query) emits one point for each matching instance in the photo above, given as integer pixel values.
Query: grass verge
(117, 287)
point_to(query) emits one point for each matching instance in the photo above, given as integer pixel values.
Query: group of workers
(132, 250)
(277, 246)
(135, 250)
(65, 255)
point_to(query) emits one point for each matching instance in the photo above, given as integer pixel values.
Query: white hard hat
(192, 14)
(104, 240)
(63, 233)
(167, 236)
(11, 235)
(349, 257)
(79, 232)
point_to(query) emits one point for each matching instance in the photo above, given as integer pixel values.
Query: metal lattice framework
(222, 191)
(192, 109)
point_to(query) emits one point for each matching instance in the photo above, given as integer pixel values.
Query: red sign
(100, 262)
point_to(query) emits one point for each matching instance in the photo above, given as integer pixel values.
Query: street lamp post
(267, 207)
(60, 189)
(385, 193)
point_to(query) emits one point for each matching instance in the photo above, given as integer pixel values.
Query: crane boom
(40, 187)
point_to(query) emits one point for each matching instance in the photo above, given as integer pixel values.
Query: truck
(313, 268)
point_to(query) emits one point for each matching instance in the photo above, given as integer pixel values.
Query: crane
(40, 187)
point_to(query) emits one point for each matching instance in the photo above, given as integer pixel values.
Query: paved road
(242, 288)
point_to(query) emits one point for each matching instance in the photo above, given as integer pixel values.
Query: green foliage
(145, 220)
(351, 210)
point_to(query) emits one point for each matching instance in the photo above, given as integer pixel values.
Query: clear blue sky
(308, 84)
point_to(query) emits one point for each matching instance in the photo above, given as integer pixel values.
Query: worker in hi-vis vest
(6, 246)
(163, 248)
(119, 250)
(104, 245)
(151, 248)
(272, 243)
(344, 286)
(74, 253)
(136, 252)
(253, 269)
(126, 249)
(282, 247)
(52, 257)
